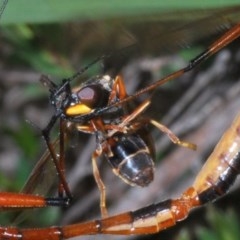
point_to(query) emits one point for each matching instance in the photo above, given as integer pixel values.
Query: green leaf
(45, 11)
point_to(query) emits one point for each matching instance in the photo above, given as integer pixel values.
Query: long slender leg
(220, 43)
(119, 84)
(58, 161)
(62, 185)
(120, 88)
(59, 165)
(100, 184)
(9, 200)
(171, 135)
(126, 121)
(93, 128)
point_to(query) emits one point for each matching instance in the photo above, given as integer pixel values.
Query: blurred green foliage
(21, 11)
(221, 226)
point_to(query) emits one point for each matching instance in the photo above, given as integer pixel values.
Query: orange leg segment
(20, 200)
(172, 136)
(10, 200)
(100, 184)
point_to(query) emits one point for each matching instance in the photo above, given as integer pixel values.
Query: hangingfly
(102, 107)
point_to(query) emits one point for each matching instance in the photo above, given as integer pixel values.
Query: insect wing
(43, 176)
(155, 34)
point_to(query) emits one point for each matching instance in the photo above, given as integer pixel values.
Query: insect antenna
(84, 69)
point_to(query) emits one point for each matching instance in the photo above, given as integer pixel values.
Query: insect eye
(93, 96)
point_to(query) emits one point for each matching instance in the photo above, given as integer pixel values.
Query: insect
(155, 217)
